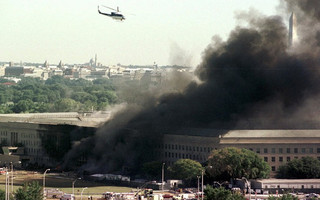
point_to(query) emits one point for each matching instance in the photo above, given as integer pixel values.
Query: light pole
(162, 179)
(7, 193)
(198, 186)
(73, 182)
(44, 183)
(202, 172)
(12, 174)
(82, 191)
(11, 165)
(249, 187)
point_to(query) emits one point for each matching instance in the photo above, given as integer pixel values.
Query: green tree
(2, 195)
(185, 169)
(3, 98)
(306, 167)
(234, 163)
(283, 197)
(65, 105)
(221, 194)
(23, 106)
(29, 191)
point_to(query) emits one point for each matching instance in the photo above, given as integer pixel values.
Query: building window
(250, 149)
(318, 150)
(310, 150)
(295, 150)
(288, 150)
(288, 159)
(280, 159)
(265, 150)
(303, 150)
(258, 150)
(273, 168)
(273, 150)
(280, 150)
(265, 159)
(296, 157)
(273, 159)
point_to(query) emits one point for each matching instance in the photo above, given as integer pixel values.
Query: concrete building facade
(46, 137)
(276, 147)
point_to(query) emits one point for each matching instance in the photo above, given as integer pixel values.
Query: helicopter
(114, 15)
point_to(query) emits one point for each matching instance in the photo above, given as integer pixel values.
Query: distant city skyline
(165, 32)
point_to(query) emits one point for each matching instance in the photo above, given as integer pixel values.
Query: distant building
(2, 71)
(276, 146)
(14, 71)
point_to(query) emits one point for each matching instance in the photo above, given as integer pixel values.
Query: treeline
(57, 94)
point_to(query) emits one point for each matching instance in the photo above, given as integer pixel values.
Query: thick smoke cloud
(252, 75)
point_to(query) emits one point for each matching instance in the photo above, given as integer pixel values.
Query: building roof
(272, 133)
(70, 118)
(271, 137)
(198, 132)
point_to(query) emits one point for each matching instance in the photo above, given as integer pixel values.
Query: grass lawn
(61, 182)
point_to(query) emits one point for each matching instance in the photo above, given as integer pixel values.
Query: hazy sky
(165, 31)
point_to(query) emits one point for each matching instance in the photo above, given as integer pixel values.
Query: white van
(67, 197)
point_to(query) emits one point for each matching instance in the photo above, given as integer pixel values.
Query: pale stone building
(276, 147)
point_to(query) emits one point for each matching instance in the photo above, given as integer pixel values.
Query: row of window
(3, 133)
(30, 135)
(257, 150)
(280, 159)
(33, 151)
(187, 148)
(287, 186)
(284, 150)
(184, 156)
(31, 142)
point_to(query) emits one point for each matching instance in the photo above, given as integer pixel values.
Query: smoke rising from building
(252, 75)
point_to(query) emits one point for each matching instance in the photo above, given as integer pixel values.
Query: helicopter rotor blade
(110, 8)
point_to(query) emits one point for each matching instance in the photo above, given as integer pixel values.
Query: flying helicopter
(114, 15)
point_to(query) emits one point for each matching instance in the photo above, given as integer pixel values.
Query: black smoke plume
(251, 80)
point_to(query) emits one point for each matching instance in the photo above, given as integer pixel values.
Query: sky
(168, 32)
